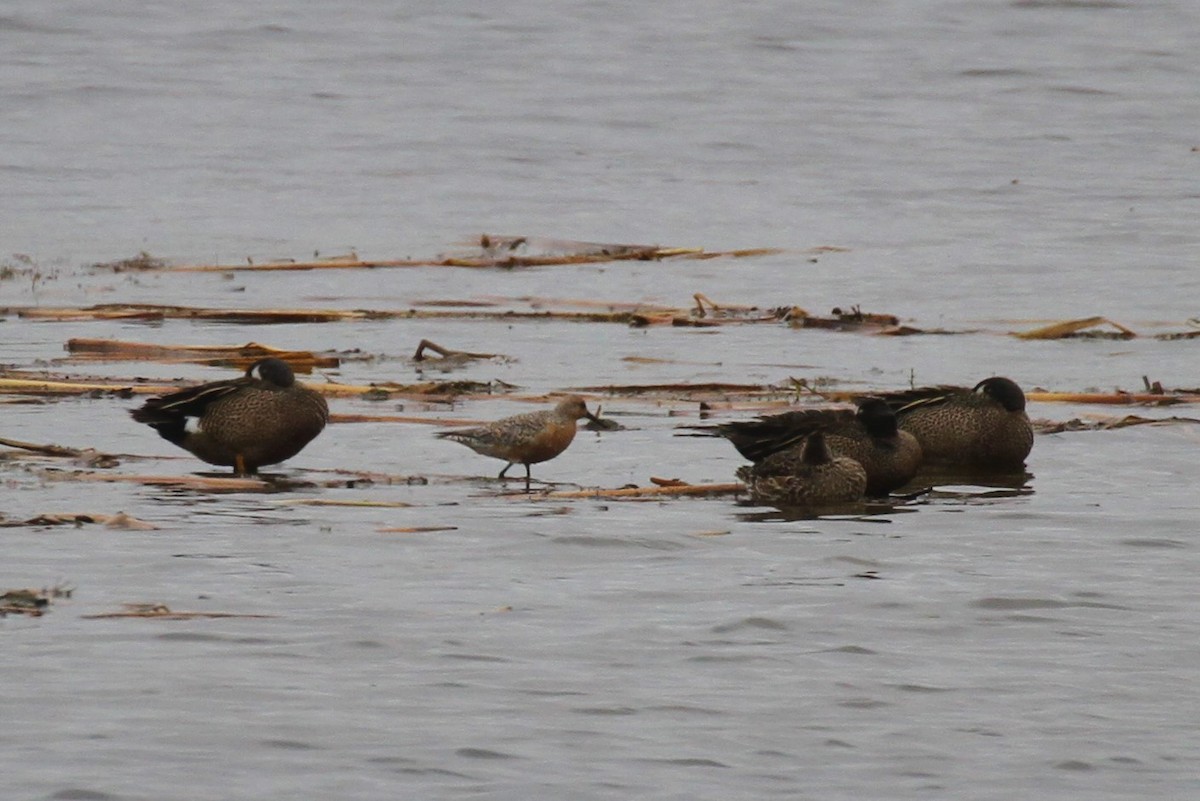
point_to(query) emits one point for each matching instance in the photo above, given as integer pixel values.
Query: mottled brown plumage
(526, 438)
(868, 435)
(260, 418)
(982, 428)
(817, 478)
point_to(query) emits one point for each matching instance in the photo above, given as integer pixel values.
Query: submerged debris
(416, 529)
(78, 519)
(1194, 322)
(32, 603)
(449, 359)
(142, 262)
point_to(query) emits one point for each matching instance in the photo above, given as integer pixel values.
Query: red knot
(526, 438)
(260, 418)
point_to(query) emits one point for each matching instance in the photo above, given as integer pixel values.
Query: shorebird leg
(526, 478)
(239, 465)
(505, 470)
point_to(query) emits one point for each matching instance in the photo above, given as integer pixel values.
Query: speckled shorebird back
(527, 438)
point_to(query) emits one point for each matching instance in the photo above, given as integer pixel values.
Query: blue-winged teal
(816, 478)
(983, 428)
(260, 418)
(526, 438)
(868, 435)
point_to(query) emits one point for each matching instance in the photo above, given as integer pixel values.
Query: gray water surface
(979, 166)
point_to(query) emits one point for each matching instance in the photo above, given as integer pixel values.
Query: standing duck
(982, 428)
(260, 418)
(526, 438)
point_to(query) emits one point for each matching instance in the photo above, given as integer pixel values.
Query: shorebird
(526, 438)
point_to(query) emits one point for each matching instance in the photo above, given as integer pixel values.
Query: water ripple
(1000, 603)
(484, 753)
(688, 762)
(749, 623)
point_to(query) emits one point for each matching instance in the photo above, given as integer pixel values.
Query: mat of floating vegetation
(1154, 395)
(344, 502)
(21, 382)
(239, 356)
(120, 520)
(163, 612)
(289, 316)
(488, 251)
(202, 483)
(1100, 328)
(1098, 423)
(1084, 328)
(31, 603)
(263, 482)
(684, 391)
(415, 529)
(155, 312)
(1117, 398)
(660, 488)
(87, 457)
(703, 314)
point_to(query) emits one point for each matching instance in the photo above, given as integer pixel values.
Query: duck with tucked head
(867, 435)
(260, 418)
(816, 478)
(981, 428)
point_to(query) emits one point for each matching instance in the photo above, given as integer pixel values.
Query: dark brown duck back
(868, 435)
(981, 428)
(264, 426)
(260, 418)
(816, 478)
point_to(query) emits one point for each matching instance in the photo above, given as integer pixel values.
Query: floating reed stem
(162, 612)
(498, 252)
(645, 492)
(1070, 328)
(240, 356)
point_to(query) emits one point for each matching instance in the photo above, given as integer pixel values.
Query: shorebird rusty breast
(526, 438)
